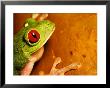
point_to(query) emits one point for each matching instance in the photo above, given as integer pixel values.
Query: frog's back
(20, 59)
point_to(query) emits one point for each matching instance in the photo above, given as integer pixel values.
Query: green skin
(23, 49)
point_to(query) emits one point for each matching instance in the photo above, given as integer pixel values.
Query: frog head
(37, 33)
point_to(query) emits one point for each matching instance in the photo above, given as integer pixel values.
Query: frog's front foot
(62, 71)
(35, 57)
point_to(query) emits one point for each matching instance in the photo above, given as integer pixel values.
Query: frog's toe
(56, 62)
(73, 66)
(62, 71)
(35, 15)
(39, 16)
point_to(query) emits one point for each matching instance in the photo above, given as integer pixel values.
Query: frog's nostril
(26, 25)
(33, 36)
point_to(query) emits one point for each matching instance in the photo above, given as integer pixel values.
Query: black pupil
(34, 35)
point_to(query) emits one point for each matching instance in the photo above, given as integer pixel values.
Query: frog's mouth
(53, 29)
(37, 55)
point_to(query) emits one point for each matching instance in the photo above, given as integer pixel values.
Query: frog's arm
(29, 66)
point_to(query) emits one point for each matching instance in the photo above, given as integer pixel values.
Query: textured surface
(74, 40)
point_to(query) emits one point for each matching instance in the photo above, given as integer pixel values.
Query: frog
(29, 40)
(29, 46)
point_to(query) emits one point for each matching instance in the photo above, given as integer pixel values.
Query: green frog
(30, 39)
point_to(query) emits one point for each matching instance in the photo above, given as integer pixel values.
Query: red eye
(33, 36)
